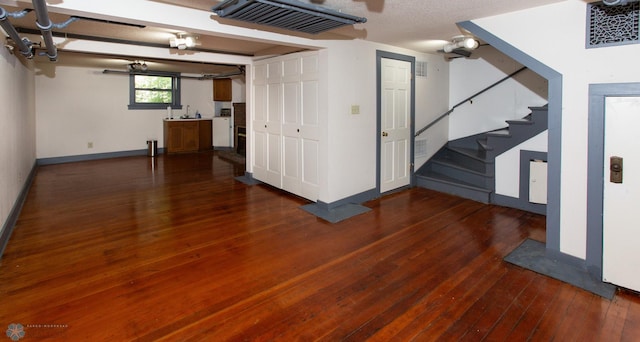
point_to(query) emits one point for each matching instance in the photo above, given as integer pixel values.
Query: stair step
(460, 174)
(520, 122)
(466, 142)
(484, 145)
(500, 133)
(473, 159)
(464, 167)
(453, 165)
(443, 183)
(471, 153)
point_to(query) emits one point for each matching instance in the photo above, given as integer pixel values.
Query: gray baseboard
(94, 156)
(10, 223)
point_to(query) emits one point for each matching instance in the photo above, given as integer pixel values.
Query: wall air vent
(287, 14)
(613, 25)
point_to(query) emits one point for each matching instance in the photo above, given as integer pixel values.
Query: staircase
(465, 167)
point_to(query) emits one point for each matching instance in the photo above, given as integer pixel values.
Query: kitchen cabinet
(187, 135)
(204, 135)
(222, 89)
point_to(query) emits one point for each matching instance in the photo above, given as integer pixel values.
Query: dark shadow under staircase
(466, 167)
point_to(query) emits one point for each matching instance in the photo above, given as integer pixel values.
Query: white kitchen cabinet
(222, 131)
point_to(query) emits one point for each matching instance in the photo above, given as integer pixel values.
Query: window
(155, 90)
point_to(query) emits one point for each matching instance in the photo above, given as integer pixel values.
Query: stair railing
(468, 99)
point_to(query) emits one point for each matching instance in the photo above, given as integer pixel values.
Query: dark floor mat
(247, 180)
(532, 255)
(337, 214)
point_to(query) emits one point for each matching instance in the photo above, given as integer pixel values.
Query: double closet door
(286, 126)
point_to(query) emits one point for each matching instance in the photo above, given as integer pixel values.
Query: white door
(300, 127)
(291, 151)
(273, 128)
(267, 121)
(621, 232)
(395, 168)
(259, 134)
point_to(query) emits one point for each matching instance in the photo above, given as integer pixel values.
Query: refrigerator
(222, 131)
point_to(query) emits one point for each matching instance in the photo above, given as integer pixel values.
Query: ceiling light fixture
(461, 42)
(137, 66)
(182, 42)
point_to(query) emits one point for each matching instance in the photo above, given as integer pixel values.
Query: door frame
(412, 60)
(595, 168)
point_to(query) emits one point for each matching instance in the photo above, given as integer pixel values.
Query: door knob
(384, 134)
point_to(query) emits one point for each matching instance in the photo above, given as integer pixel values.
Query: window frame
(175, 91)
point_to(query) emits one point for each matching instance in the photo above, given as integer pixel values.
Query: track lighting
(137, 66)
(467, 43)
(181, 42)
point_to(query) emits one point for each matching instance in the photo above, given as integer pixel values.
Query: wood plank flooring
(175, 249)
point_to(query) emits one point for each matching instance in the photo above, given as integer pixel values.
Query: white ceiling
(411, 24)
(405, 23)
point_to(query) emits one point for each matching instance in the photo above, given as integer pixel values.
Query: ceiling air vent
(288, 14)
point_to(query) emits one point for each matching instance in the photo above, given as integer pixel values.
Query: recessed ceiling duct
(288, 14)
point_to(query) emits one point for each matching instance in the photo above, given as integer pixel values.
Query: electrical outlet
(90, 144)
(355, 109)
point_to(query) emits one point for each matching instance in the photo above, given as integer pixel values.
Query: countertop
(189, 119)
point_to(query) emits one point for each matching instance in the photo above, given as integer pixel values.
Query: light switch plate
(355, 109)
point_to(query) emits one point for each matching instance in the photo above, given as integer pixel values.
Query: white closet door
(310, 130)
(287, 136)
(267, 122)
(621, 237)
(291, 149)
(260, 141)
(273, 129)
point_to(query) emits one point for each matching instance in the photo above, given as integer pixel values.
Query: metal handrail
(467, 99)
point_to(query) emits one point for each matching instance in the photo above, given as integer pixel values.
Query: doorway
(612, 254)
(396, 111)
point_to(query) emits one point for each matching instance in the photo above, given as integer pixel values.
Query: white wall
(17, 129)
(238, 89)
(431, 101)
(352, 138)
(507, 165)
(81, 105)
(506, 101)
(347, 164)
(555, 36)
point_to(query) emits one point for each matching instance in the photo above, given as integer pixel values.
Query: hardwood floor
(128, 249)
